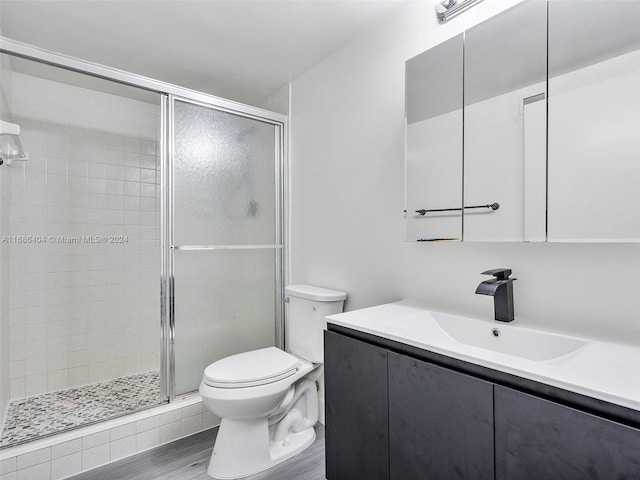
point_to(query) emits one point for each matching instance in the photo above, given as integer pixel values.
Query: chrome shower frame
(168, 94)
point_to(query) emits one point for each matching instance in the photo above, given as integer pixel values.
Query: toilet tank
(305, 322)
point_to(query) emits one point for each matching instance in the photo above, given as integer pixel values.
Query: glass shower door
(225, 240)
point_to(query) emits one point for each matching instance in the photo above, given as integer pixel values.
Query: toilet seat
(251, 369)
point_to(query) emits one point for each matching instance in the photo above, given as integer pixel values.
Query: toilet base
(243, 448)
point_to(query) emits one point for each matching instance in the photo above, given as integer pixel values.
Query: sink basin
(590, 366)
(509, 339)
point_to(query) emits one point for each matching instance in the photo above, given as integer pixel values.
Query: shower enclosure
(140, 241)
(224, 237)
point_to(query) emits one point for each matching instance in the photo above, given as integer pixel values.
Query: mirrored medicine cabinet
(526, 127)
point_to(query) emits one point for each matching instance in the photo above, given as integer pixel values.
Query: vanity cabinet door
(440, 422)
(356, 400)
(536, 439)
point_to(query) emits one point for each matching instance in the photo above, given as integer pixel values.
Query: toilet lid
(249, 369)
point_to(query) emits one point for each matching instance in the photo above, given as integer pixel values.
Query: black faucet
(501, 289)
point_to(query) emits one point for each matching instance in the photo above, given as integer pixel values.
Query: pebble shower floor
(43, 415)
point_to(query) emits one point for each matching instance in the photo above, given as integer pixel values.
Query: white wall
(278, 101)
(347, 121)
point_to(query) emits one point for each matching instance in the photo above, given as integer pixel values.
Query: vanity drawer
(440, 422)
(536, 438)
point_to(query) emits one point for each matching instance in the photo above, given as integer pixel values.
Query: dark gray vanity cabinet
(400, 413)
(389, 416)
(537, 438)
(440, 422)
(356, 402)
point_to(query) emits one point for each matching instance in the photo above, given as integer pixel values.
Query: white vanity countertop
(600, 369)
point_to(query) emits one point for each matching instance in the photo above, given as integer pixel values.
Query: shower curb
(69, 453)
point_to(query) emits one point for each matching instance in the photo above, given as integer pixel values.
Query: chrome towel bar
(492, 206)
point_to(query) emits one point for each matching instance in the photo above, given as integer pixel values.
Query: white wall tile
(148, 423)
(17, 386)
(79, 375)
(66, 466)
(7, 465)
(148, 439)
(123, 447)
(36, 383)
(37, 472)
(122, 431)
(115, 172)
(78, 168)
(57, 379)
(171, 416)
(192, 425)
(170, 432)
(96, 439)
(96, 456)
(33, 458)
(66, 448)
(192, 410)
(36, 365)
(115, 187)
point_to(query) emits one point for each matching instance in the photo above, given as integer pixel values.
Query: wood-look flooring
(188, 458)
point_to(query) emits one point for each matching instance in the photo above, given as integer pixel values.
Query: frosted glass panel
(225, 304)
(224, 178)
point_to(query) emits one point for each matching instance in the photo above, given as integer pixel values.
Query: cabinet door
(440, 422)
(537, 439)
(357, 431)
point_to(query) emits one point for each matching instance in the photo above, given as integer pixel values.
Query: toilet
(267, 398)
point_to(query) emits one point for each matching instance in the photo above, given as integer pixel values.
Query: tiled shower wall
(85, 232)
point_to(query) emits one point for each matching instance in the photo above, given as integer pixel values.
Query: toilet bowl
(267, 398)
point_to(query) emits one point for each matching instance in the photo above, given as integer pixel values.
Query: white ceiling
(237, 49)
